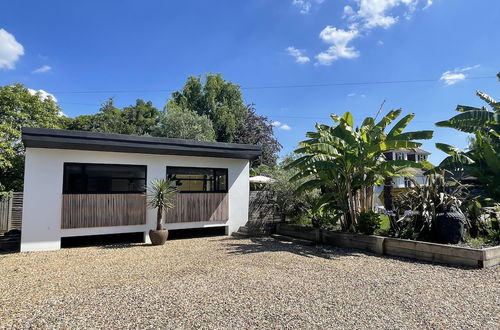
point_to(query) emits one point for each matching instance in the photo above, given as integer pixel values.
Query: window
(194, 179)
(421, 157)
(400, 156)
(103, 178)
(408, 183)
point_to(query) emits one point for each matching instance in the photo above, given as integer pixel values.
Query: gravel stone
(221, 282)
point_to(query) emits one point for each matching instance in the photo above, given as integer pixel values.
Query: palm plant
(161, 194)
(482, 160)
(345, 161)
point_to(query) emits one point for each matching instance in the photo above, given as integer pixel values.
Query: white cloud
(451, 77)
(10, 50)
(380, 13)
(339, 40)
(43, 94)
(380, 43)
(42, 69)
(361, 17)
(281, 125)
(303, 5)
(351, 94)
(298, 54)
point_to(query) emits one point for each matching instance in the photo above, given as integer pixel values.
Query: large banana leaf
(400, 126)
(417, 135)
(471, 121)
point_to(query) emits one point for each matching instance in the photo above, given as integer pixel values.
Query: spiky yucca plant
(161, 195)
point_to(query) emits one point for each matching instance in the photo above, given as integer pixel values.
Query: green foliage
(417, 207)
(185, 124)
(216, 98)
(20, 108)
(494, 234)
(138, 119)
(368, 222)
(345, 161)
(482, 161)
(291, 202)
(161, 194)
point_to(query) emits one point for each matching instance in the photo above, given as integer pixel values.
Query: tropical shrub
(368, 222)
(482, 161)
(345, 162)
(417, 208)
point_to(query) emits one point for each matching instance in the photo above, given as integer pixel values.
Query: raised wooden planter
(441, 253)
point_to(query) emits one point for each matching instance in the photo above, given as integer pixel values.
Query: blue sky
(147, 48)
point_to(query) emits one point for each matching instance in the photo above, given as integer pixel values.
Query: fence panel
(5, 212)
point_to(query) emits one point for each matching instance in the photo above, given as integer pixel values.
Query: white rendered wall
(43, 181)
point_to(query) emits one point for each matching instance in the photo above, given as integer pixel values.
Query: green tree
(482, 160)
(141, 118)
(345, 161)
(20, 108)
(185, 124)
(220, 100)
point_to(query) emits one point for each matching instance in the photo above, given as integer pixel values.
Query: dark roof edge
(84, 140)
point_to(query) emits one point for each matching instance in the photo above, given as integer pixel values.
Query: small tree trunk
(352, 211)
(159, 216)
(388, 194)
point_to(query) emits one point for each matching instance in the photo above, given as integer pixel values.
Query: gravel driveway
(221, 282)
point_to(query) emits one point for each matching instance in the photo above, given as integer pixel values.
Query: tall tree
(141, 118)
(21, 108)
(258, 130)
(220, 100)
(138, 119)
(185, 124)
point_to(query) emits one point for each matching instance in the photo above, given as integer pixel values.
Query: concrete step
(237, 234)
(283, 238)
(243, 230)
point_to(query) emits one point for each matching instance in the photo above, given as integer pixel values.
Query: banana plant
(345, 161)
(482, 160)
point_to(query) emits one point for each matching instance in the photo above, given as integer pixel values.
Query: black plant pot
(450, 226)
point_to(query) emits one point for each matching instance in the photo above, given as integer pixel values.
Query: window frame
(109, 192)
(214, 169)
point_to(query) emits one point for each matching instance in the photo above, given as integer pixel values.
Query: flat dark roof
(83, 140)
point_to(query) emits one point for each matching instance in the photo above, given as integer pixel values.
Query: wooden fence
(11, 212)
(194, 207)
(102, 210)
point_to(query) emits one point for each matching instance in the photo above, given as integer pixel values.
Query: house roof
(83, 140)
(413, 150)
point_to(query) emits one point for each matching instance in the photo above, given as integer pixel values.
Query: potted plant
(161, 194)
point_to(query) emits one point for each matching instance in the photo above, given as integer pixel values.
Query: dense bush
(368, 222)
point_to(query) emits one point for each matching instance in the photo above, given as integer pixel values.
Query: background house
(414, 155)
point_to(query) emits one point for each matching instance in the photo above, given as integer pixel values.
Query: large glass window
(103, 178)
(195, 179)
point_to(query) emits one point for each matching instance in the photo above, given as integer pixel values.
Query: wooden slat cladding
(102, 210)
(194, 207)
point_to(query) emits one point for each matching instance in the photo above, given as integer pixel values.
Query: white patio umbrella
(261, 179)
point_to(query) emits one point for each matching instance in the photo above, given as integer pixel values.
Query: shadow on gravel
(266, 244)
